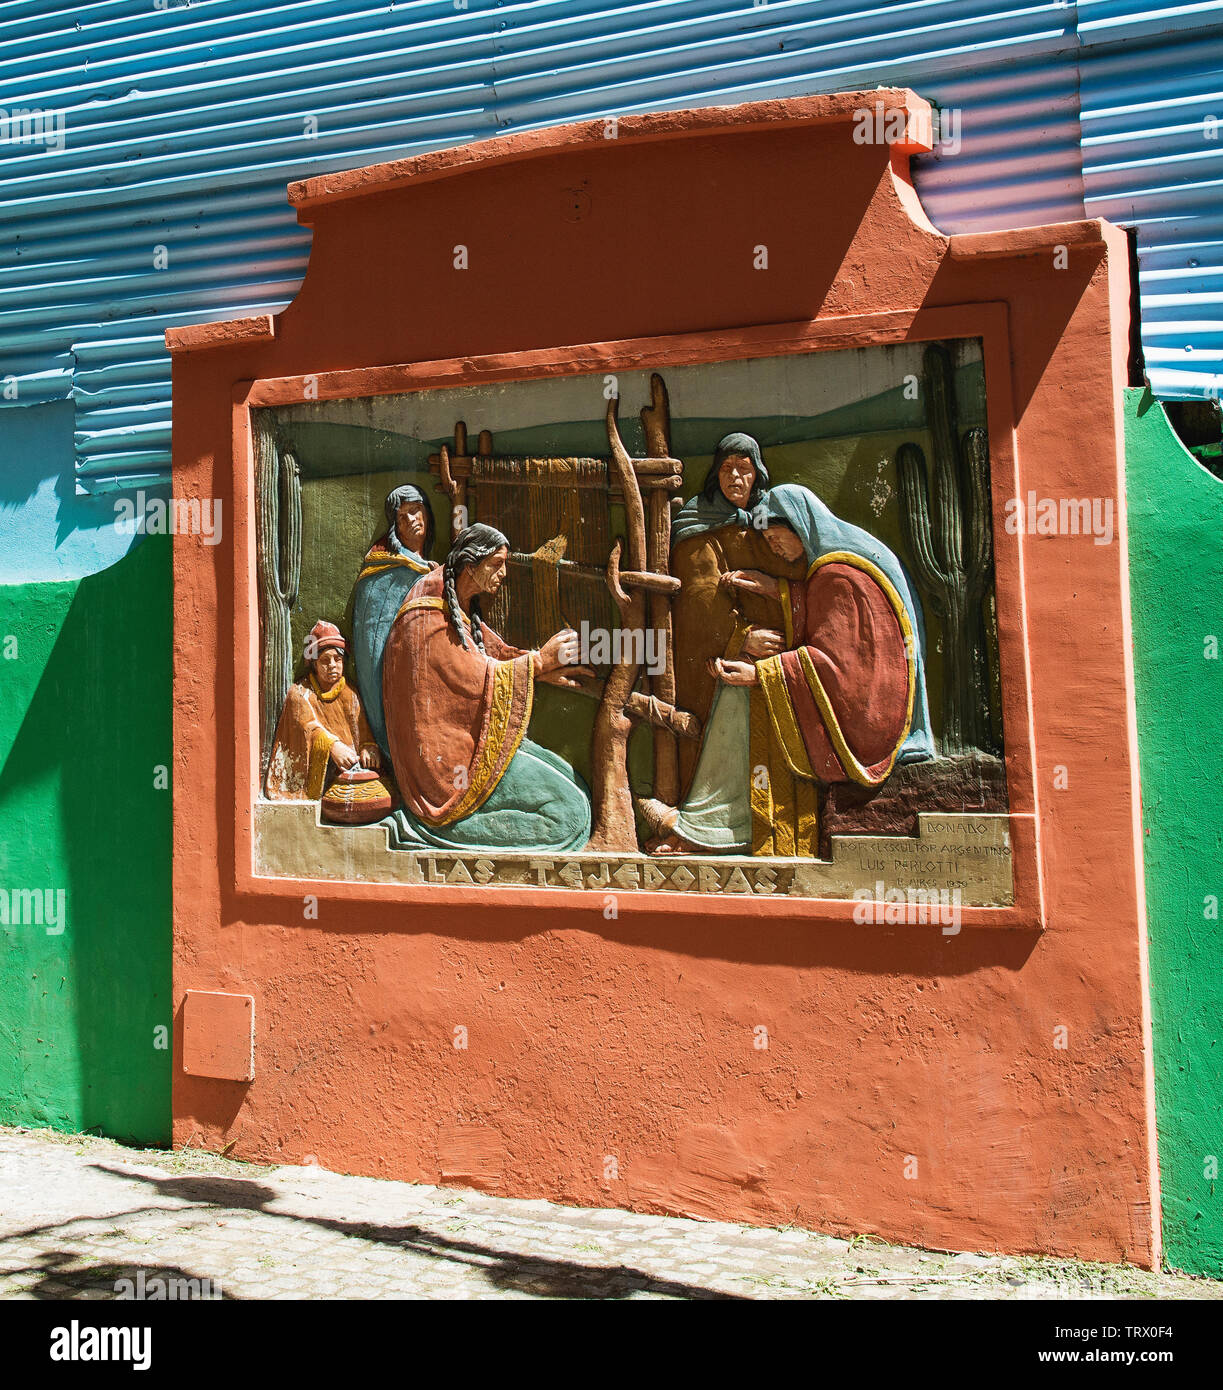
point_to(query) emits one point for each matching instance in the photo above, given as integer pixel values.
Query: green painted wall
(1176, 586)
(84, 728)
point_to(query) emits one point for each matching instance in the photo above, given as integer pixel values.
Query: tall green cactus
(278, 511)
(946, 517)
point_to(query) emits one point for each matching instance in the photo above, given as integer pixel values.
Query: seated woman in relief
(458, 701)
(844, 700)
(322, 729)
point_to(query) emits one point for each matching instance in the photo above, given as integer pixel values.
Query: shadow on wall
(47, 532)
(87, 812)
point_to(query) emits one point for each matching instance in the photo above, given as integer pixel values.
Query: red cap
(321, 636)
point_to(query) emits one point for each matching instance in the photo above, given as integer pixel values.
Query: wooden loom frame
(644, 589)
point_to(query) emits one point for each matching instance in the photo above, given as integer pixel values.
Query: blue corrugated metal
(184, 124)
(1152, 79)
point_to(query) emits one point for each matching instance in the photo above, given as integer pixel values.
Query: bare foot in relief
(673, 844)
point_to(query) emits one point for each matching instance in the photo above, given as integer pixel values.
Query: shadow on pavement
(502, 1269)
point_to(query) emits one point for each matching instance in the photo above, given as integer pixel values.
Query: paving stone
(80, 1213)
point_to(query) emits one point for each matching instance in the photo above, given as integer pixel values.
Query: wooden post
(656, 422)
(613, 825)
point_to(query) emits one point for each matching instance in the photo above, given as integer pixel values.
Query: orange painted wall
(634, 1038)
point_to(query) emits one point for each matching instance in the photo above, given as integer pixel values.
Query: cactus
(946, 516)
(278, 507)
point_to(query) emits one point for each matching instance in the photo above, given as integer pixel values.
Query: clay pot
(356, 797)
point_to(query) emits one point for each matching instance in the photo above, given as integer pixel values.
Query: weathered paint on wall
(1176, 585)
(86, 724)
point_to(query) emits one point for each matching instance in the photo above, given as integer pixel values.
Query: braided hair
(473, 544)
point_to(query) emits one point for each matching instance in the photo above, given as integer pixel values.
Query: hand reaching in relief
(750, 582)
(343, 756)
(370, 757)
(732, 672)
(761, 642)
(556, 660)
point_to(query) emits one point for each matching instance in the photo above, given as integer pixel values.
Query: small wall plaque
(219, 1035)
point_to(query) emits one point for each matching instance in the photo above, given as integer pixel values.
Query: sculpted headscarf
(821, 533)
(395, 500)
(710, 509)
(388, 573)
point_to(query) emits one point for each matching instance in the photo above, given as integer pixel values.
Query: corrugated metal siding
(185, 124)
(1152, 77)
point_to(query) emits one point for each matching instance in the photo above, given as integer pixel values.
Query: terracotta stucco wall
(632, 1039)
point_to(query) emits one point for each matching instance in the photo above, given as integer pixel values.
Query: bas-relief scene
(725, 628)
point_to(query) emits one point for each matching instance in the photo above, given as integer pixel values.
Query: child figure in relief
(322, 729)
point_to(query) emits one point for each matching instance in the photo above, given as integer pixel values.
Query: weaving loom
(565, 571)
(555, 512)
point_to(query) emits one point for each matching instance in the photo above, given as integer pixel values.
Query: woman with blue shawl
(734, 487)
(392, 566)
(843, 701)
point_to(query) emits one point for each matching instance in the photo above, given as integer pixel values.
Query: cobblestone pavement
(80, 1214)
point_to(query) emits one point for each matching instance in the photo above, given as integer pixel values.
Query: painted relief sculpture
(391, 567)
(750, 676)
(824, 535)
(736, 481)
(458, 701)
(322, 730)
(621, 705)
(279, 513)
(575, 496)
(836, 704)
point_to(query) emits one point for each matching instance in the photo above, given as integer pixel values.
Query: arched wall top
(668, 203)
(822, 181)
(908, 114)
